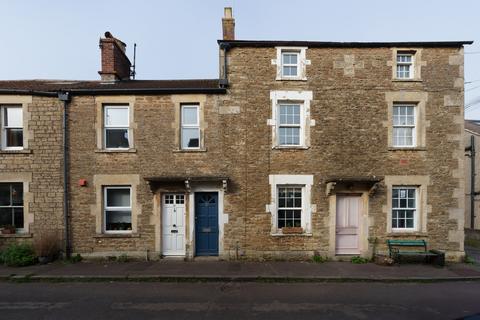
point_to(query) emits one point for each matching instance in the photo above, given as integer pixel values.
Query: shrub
(47, 245)
(18, 255)
(319, 259)
(468, 259)
(76, 258)
(358, 260)
(123, 258)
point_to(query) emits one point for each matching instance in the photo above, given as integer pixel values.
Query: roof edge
(332, 44)
(121, 91)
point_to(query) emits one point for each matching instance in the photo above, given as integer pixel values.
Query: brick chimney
(228, 25)
(115, 63)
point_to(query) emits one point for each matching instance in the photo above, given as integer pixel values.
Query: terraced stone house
(298, 148)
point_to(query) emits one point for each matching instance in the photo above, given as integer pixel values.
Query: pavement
(238, 271)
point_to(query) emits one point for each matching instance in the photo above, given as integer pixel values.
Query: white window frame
(190, 126)
(293, 52)
(416, 213)
(302, 215)
(414, 126)
(106, 209)
(22, 229)
(291, 97)
(107, 127)
(302, 62)
(301, 125)
(287, 180)
(4, 128)
(410, 64)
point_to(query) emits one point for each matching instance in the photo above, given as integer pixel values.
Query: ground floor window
(404, 208)
(289, 206)
(118, 209)
(11, 205)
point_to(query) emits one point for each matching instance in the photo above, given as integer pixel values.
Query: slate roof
(92, 87)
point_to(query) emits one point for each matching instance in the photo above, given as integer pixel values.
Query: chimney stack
(115, 63)
(228, 24)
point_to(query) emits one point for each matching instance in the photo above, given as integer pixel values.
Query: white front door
(347, 226)
(173, 225)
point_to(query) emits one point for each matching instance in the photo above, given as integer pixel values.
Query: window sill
(407, 149)
(407, 80)
(117, 235)
(189, 150)
(16, 235)
(290, 148)
(133, 150)
(398, 234)
(22, 151)
(291, 79)
(291, 234)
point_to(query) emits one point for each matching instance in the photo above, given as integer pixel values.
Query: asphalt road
(117, 301)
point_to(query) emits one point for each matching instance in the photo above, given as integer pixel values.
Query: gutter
(65, 97)
(29, 92)
(113, 91)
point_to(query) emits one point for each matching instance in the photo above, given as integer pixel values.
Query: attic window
(291, 63)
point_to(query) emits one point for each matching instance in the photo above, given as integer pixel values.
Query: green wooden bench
(414, 248)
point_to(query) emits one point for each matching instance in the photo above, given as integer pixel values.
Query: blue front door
(206, 223)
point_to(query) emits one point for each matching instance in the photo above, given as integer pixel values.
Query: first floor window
(116, 125)
(404, 123)
(11, 205)
(289, 206)
(404, 66)
(289, 124)
(190, 127)
(12, 127)
(118, 209)
(404, 208)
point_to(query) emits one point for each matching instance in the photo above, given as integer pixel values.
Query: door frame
(185, 206)
(363, 222)
(222, 218)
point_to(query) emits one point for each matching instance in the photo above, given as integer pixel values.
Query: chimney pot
(228, 24)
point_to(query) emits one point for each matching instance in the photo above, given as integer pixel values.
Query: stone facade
(349, 151)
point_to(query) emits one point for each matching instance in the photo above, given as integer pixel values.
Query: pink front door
(347, 226)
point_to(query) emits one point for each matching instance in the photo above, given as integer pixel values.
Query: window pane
(116, 116)
(190, 138)
(13, 117)
(118, 220)
(17, 194)
(5, 194)
(6, 216)
(289, 70)
(289, 114)
(116, 138)
(18, 218)
(189, 115)
(118, 197)
(14, 137)
(289, 58)
(289, 136)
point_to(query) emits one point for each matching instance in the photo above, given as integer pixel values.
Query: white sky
(58, 39)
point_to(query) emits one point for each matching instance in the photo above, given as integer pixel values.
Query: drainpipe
(472, 182)
(224, 79)
(65, 97)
